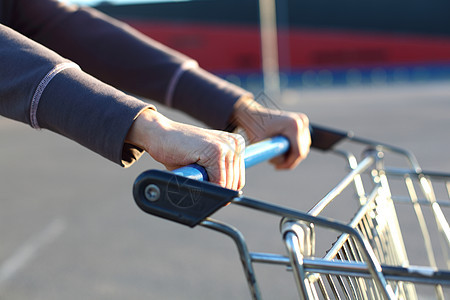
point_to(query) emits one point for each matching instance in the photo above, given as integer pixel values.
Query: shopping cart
(368, 260)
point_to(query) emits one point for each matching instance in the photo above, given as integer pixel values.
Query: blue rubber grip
(192, 171)
(265, 150)
(254, 154)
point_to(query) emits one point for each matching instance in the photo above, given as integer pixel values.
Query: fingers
(229, 163)
(240, 164)
(235, 172)
(226, 166)
(300, 141)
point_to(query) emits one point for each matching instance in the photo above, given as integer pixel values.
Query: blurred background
(318, 43)
(68, 223)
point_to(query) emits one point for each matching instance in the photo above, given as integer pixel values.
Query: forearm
(78, 106)
(214, 99)
(103, 47)
(42, 89)
(119, 55)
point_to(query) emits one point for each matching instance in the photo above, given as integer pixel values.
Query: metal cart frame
(369, 258)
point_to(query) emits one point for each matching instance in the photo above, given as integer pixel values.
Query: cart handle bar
(322, 138)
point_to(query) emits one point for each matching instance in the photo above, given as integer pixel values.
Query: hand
(176, 145)
(260, 122)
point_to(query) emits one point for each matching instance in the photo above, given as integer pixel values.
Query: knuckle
(240, 139)
(227, 141)
(240, 142)
(304, 118)
(302, 121)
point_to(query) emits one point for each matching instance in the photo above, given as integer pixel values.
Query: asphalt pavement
(69, 227)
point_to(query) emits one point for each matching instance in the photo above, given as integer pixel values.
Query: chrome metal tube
(244, 254)
(362, 166)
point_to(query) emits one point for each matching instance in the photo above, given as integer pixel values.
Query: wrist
(244, 112)
(144, 129)
(252, 116)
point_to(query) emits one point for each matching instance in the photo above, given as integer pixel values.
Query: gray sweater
(68, 69)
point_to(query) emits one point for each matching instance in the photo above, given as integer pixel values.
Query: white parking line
(29, 249)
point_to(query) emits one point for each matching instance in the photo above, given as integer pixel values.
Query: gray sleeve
(123, 57)
(66, 100)
(214, 98)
